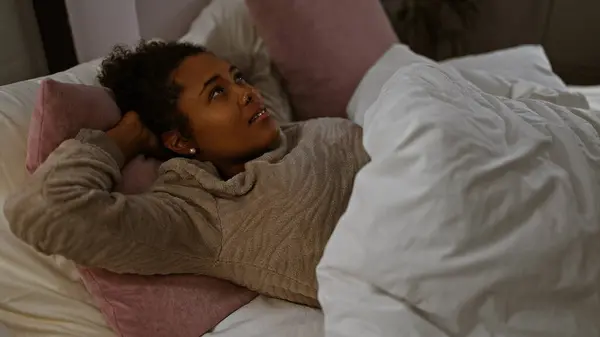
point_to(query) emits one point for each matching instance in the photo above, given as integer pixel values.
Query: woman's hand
(132, 137)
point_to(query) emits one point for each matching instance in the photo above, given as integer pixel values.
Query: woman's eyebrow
(215, 77)
(211, 80)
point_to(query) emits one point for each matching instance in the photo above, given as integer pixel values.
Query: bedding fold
(478, 216)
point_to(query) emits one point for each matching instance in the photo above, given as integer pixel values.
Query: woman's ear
(174, 141)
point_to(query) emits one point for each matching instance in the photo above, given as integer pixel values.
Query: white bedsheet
(478, 216)
(265, 317)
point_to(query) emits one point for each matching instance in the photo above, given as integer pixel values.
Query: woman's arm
(68, 208)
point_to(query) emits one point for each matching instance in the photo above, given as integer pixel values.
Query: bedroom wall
(98, 25)
(21, 54)
(567, 29)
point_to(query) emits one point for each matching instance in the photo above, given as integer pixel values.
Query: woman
(240, 199)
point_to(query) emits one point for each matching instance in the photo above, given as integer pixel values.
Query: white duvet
(479, 214)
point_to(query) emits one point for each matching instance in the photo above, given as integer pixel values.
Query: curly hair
(140, 79)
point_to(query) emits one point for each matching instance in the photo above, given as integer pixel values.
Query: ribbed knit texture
(264, 229)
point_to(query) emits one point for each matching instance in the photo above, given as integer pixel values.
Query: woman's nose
(248, 97)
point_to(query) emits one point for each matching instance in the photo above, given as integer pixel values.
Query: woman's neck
(229, 168)
(229, 171)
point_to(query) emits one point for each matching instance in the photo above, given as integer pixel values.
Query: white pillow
(225, 27)
(528, 63)
(494, 72)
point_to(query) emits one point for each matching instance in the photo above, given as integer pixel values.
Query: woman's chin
(271, 136)
(268, 125)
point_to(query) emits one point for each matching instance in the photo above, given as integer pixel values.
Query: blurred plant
(435, 28)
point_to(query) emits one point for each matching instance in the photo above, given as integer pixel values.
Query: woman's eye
(240, 79)
(218, 90)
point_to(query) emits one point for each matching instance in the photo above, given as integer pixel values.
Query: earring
(192, 151)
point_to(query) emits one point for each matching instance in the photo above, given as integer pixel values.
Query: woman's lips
(260, 115)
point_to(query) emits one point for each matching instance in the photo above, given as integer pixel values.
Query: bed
(43, 296)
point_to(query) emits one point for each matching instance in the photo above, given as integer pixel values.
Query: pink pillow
(62, 109)
(169, 306)
(322, 48)
(133, 305)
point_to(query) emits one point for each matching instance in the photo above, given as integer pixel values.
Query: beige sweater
(264, 229)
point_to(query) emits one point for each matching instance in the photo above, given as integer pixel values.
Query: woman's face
(227, 118)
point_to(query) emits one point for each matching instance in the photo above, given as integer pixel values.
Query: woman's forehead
(199, 68)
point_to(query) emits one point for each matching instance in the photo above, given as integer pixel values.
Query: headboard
(79, 30)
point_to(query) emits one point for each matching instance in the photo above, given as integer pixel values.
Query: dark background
(439, 29)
